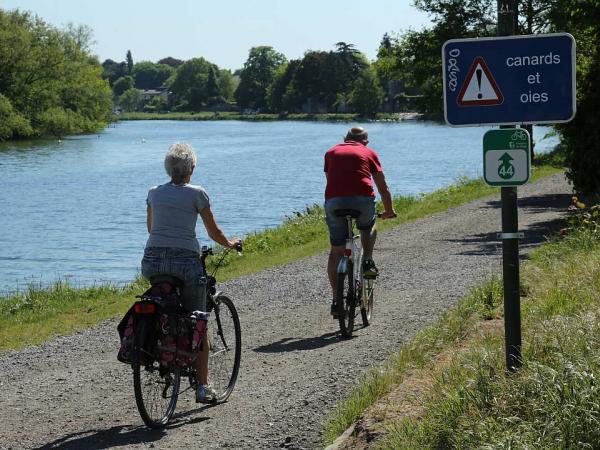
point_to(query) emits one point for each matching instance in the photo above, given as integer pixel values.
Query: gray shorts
(183, 264)
(338, 227)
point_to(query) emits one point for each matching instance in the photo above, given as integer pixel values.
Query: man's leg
(335, 255)
(367, 238)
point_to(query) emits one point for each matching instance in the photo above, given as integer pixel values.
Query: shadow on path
(536, 233)
(121, 435)
(293, 344)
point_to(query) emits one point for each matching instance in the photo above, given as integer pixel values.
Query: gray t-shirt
(175, 210)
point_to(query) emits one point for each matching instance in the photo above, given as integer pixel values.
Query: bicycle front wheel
(225, 341)
(346, 304)
(156, 388)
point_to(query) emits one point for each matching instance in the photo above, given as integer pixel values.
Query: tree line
(323, 81)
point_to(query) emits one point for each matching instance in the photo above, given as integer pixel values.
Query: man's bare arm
(386, 197)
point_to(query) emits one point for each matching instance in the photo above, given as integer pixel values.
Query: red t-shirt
(349, 168)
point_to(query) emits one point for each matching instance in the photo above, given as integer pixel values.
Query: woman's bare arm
(213, 230)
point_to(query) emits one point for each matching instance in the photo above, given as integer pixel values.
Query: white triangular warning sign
(479, 88)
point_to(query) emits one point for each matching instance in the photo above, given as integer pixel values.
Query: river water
(75, 209)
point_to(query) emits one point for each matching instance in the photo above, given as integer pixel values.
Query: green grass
(35, 315)
(552, 402)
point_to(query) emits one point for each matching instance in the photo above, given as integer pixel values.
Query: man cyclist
(350, 168)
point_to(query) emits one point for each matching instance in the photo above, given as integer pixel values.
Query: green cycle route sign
(506, 157)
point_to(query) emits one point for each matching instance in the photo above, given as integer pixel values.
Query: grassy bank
(455, 390)
(35, 315)
(229, 115)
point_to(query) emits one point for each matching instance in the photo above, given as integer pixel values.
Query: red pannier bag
(125, 329)
(180, 338)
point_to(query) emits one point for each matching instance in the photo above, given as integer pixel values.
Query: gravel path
(72, 392)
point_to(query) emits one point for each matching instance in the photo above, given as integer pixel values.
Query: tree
(348, 63)
(129, 60)
(112, 70)
(170, 61)
(131, 100)
(47, 71)
(257, 75)
(212, 88)
(122, 85)
(276, 97)
(12, 124)
(189, 84)
(366, 94)
(156, 104)
(60, 122)
(83, 36)
(415, 56)
(148, 75)
(580, 137)
(227, 85)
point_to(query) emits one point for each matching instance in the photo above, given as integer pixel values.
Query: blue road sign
(509, 80)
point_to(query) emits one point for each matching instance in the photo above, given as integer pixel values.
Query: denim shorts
(338, 227)
(183, 264)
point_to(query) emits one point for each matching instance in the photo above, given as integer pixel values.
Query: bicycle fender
(343, 265)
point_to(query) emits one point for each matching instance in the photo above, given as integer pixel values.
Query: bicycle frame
(352, 253)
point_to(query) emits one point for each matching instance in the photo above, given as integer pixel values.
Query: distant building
(399, 98)
(149, 94)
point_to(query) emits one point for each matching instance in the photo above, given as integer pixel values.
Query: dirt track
(72, 393)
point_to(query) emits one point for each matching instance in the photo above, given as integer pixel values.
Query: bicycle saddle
(163, 278)
(347, 212)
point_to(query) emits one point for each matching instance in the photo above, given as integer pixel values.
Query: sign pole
(507, 26)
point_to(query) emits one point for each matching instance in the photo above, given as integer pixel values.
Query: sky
(224, 31)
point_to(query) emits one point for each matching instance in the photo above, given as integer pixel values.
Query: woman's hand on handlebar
(387, 215)
(235, 243)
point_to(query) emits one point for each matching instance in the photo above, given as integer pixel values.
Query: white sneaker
(205, 394)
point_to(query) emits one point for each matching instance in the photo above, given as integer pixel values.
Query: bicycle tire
(225, 341)
(366, 306)
(151, 383)
(345, 301)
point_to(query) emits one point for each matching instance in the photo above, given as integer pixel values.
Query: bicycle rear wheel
(366, 305)
(225, 340)
(156, 388)
(346, 303)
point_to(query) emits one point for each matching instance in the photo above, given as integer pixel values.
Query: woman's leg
(202, 362)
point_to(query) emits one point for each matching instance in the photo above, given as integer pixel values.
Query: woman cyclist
(172, 247)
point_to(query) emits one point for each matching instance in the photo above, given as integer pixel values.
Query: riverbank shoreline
(268, 117)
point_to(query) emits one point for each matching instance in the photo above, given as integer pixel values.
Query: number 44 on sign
(506, 157)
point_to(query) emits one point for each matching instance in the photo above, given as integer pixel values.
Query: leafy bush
(12, 123)
(582, 135)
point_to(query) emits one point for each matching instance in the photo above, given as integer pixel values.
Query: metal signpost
(506, 81)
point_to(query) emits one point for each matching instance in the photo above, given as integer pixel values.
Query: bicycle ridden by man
(351, 168)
